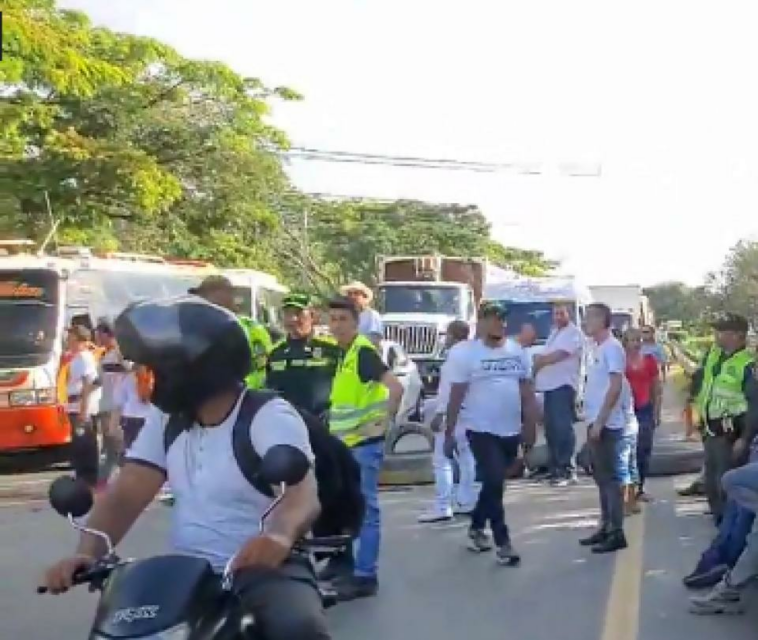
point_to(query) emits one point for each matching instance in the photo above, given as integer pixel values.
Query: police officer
(220, 291)
(302, 366)
(725, 392)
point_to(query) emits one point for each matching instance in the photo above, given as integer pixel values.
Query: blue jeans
(626, 459)
(728, 545)
(559, 429)
(646, 420)
(370, 458)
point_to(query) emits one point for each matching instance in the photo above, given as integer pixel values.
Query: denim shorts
(626, 460)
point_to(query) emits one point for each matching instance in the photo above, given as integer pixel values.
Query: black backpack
(338, 475)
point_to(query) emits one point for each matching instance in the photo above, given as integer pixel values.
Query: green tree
(324, 244)
(736, 286)
(134, 144)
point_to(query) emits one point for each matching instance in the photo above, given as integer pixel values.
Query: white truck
(418, 296)
(629, 306)
(532, 300)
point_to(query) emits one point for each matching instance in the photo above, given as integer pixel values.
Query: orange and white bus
(41, 295)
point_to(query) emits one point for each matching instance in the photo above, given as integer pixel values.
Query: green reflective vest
(260, 346)
(722, 396)
(359, 410)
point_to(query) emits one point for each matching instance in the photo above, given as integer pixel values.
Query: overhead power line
(321, 155)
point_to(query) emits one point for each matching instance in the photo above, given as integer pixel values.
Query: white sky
(663, 94)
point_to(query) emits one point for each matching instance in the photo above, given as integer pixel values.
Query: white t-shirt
(217, 510)
(126, 398)
(109, 379)
(370, 323)
(443, 389)
(566, 372)
(608, 358)
(494, 375)
(83, 367)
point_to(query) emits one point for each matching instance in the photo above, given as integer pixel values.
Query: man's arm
(294, 516)
(396, 392)
(458, 391)
(540, 362)
(118, 509)
(531, 412)
(611, 398)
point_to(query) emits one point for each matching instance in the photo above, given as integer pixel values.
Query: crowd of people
(493, 396)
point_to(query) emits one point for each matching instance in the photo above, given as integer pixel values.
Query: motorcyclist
(219, 290)
(200, 356)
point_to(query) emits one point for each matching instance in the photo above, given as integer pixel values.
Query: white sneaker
(166, 496)
(435, 516)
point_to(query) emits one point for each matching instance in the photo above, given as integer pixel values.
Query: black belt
(731, 427)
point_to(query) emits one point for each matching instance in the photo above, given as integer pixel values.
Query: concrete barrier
(403, 466)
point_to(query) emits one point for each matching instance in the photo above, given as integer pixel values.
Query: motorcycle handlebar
(85, 576)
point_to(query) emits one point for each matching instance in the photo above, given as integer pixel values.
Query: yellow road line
(622, 612)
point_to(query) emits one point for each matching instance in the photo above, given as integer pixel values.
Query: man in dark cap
(725, 392)
(219, 290)
(302, 366)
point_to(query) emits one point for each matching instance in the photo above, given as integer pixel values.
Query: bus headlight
(32, 397)
(25, 398)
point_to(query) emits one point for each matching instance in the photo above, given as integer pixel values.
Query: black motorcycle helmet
(195, 349)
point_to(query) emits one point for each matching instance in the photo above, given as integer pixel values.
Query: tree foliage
(736, 286)
(328, 243)
(140, 149)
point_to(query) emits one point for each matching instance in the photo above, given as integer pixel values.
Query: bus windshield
(29, 308)
(105, 294)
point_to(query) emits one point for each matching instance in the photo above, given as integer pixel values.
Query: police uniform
(725, 392)
(302, 370)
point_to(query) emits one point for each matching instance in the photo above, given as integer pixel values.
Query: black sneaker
(355, 587)
(615, 541)
(596, 538)
(507, 556)
(705, 578)
(478, 541)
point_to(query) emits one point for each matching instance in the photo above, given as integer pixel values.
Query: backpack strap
(177, 424)
(247, 457)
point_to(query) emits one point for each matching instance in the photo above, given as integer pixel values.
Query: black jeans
(493, 455)
(85, 452)
(285, 602)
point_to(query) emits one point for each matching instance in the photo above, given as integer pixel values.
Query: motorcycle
(176, 597)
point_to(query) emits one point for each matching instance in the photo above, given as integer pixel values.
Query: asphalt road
(431, 587)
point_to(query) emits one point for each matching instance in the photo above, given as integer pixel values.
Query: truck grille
(416, 339)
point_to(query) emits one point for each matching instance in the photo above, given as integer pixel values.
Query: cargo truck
(629, 306)
(418, 296)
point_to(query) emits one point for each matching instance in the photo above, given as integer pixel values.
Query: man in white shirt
(490, 385)
(610, 411)
(369, 322)
(111, 371)
(83, 400)
(556, 373)
(445, 504)
(218, 509)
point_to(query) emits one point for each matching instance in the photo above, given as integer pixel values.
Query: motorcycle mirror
(284, 464)
(69, 496)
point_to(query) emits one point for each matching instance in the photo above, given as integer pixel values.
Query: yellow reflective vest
(358, 409)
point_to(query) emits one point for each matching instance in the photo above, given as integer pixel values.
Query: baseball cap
(212, 283)
(491, 308)
(731, 322)
(297, 301)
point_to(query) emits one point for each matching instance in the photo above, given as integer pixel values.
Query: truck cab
(418, 297)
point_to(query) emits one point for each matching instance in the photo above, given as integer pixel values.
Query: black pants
(285, 603)
(85, 453)
(493, 455)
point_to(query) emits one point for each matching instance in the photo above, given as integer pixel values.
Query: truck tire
(407, 467)
(672, 458)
